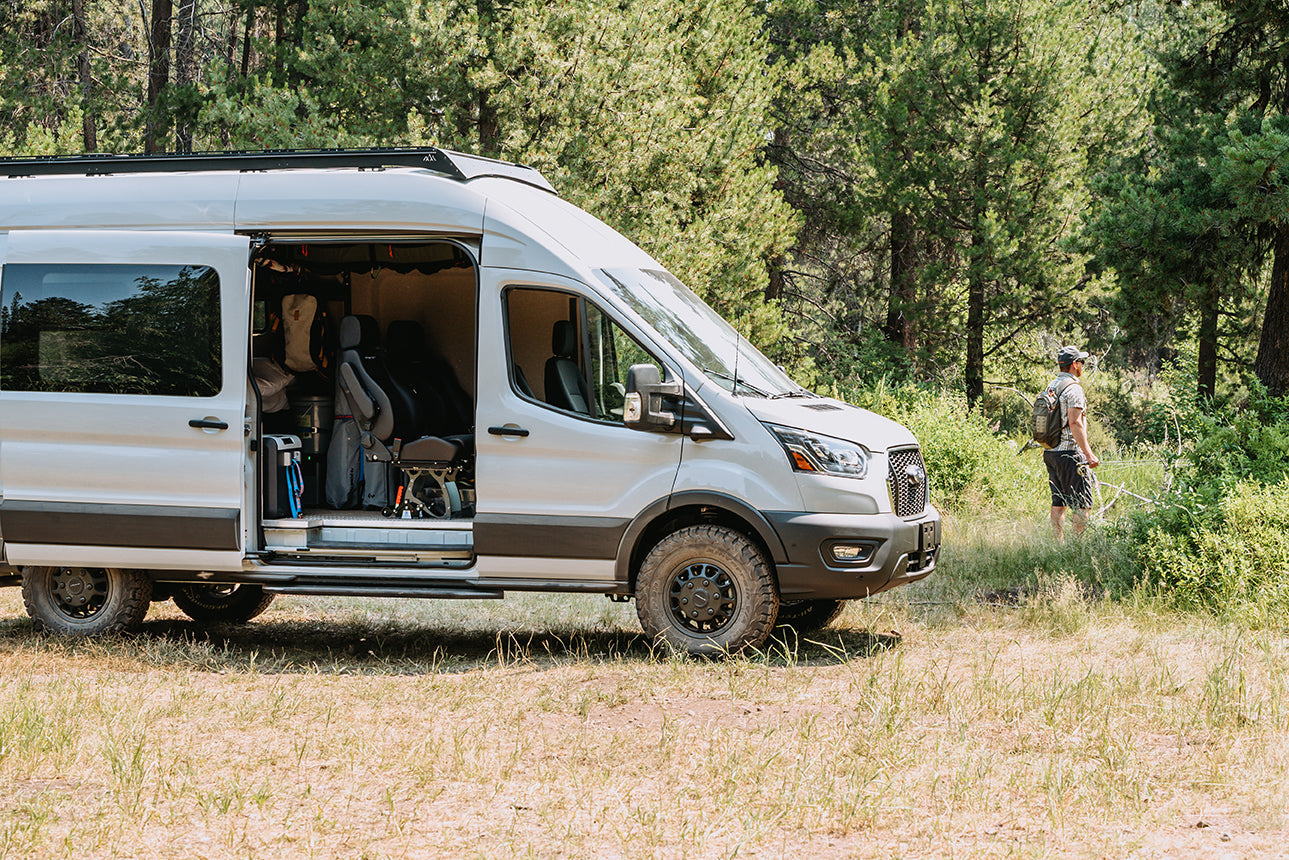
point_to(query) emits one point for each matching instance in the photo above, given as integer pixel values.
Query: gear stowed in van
(406, 373)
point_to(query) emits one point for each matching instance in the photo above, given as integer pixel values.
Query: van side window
(110, 329)
(570, 355)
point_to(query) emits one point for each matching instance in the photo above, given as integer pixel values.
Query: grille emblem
(914, 474)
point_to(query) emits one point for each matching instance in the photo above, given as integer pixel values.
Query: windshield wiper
(737, 382)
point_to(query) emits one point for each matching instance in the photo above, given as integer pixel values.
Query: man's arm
(1079, 430)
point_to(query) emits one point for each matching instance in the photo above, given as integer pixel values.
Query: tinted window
(595, 358)
(111, 329)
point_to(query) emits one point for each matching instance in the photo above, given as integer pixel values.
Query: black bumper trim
(900, 543)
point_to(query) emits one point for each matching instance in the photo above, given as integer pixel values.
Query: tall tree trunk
(488, 127)
(80, 31)
(185, 69)
(248, 36)
(1206, 375)
(279, 40)
(774, 267)
(899, 327)
(1272, 363)
(158, 73)
(974, 367)
(774, 287)
(297, 37)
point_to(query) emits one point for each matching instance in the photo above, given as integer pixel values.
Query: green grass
(1024, 701)
(937, 720)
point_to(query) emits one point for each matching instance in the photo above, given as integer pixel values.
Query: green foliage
(651, 115)
(1238, 563)
(940, 150)
(1219, 535)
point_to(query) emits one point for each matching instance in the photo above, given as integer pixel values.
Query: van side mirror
(644, 400)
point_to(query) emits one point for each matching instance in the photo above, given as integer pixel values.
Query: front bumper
(892, 551)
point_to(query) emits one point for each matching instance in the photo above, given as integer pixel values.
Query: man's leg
(1058, 521)
(1081, 495)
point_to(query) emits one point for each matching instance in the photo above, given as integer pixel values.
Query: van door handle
(208, 424)
(507, 431)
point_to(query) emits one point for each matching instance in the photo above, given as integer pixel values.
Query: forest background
(910, 204)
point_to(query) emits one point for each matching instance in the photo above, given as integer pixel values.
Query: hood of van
(832, 418)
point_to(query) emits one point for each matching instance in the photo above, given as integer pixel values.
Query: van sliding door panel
(122, 398)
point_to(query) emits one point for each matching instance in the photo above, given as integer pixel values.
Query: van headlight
(810, 452)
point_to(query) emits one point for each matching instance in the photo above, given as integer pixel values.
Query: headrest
(359, 331)
(406, 339)
(564, 339)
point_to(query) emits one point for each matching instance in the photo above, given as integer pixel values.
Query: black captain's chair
(383, 408)
(565, 386)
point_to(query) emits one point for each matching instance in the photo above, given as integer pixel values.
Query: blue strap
(294, 488)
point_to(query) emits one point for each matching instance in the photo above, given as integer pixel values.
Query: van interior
(365, 353)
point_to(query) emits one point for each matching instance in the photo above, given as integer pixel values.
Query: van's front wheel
(222, 603)
(85, 601)
(707, 590)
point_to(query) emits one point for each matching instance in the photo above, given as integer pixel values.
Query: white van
(406, 373)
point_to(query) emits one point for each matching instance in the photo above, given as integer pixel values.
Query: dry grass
(544, 726)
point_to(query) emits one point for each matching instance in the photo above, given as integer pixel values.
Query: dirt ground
(546, 727)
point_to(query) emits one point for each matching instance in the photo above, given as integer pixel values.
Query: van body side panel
(123, 479)
(344, 200)
(124, 201)
(568, 487)
(752, 466)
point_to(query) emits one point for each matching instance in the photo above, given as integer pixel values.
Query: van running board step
(322, 555)
(435, 591)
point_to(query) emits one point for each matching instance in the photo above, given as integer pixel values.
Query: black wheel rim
(703, 598)
(79, 592)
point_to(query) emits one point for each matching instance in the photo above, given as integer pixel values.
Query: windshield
(700, 334)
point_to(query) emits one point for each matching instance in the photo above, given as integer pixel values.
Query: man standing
(1071, 484)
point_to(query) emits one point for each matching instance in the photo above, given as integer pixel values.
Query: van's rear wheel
(706, 590)
(222, 603)
(85, 601)
(807, 616)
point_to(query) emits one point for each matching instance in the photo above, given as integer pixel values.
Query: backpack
(1047, 414)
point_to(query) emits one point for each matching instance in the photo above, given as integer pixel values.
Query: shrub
(1218, 539)
(1239, 560)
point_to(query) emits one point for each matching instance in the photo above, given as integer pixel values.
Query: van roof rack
(455, 165)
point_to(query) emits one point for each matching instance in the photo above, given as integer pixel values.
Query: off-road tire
(707, 590)
(807, 616)
(222, 603)
(85, 601)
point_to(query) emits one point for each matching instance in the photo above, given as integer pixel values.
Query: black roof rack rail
(95, 164)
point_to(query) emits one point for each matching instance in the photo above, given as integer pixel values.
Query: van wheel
(807, 616)
(222, 603)
(706, 590)
(85, 601)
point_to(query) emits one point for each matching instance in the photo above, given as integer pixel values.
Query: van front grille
(907, 482)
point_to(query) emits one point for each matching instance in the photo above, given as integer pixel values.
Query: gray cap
(1070, 354)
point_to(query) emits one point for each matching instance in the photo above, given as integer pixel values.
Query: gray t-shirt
(1072, 396)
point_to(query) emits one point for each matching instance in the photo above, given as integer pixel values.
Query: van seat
(565, 386)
